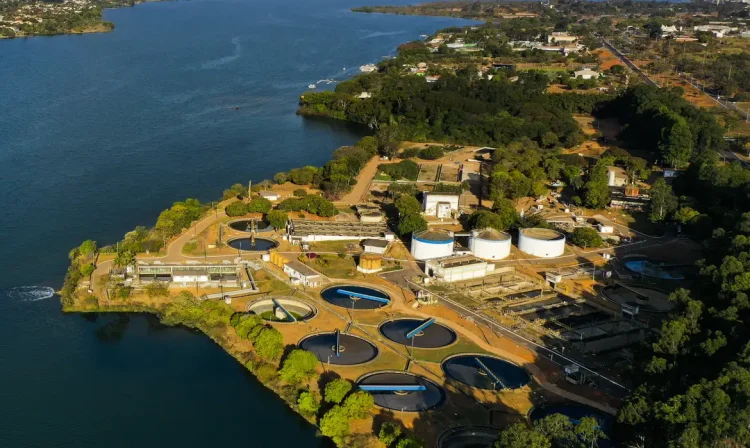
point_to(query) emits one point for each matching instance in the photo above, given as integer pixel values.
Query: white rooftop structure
(457, 268)
(441, 205)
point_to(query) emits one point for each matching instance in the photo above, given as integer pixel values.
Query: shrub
(298, 367)
(411, 442)
(265, 373)
(157, 289)
(245, 324)
(307, 403)
(87, 269)
(431, 153)
(587, 237)
(300, 192)
(389, 433)
(281, 178)
(405, 169)
(259, 205)
(408, 205)
(336, 390)
(236, 208)
(235, 191)
(303, 176)
(409, 153)
(411, 223)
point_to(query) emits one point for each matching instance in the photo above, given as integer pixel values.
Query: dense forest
(458, 108)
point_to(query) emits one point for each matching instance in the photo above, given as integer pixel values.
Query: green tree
(685, 215)
(389, 433)
(157, 289)
(411, 223)
(259, 205)
(589, 432)
(335, 424)
(549, 139)
(124, 258)
(87, 269)
(410, 442)
(483, 219)
(303, 176)
(281, 178)
(87, 248)
(307, 403)
(369, 144)
(236, 208)
(663, 200)
(277, 218)
(235, 191)
(358, 404)
(336, 390)
(677, 143)
(557, 428)
(269, 343)
(519, 435)
(298, 367)
(587, 237)
(431, 153)
(408, 205)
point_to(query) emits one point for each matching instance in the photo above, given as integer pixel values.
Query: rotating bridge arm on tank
(420, 328)
(338, 343)
(288, 314)
(358, 295)
(492, 375)
(392, 388)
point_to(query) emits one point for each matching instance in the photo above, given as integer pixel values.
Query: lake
(101, 132)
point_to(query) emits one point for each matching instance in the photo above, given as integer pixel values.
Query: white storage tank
(429, 244)
(489, 244)
(545, 243)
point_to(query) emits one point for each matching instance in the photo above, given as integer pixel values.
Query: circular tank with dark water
(575, 412)
(245, 225)
(468, 437)
(414, 401)
(260, 244)
(485, 372)
(353, 350)
(433, 336)
(333, 296)
(647, 267)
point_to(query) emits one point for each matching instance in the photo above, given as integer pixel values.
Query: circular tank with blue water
(429, 334)
(647, 267)
(485, 372)
(355, 297)
(402, 391)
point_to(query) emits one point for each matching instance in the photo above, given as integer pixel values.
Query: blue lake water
(98, 134)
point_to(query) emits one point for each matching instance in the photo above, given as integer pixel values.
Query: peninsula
(19, 18)
(511, 259)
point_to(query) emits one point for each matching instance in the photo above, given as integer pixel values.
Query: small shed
(375, 246)
(270, 195)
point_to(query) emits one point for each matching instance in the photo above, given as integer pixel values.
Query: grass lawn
(438, 355)
(334, 266)
(382, 176)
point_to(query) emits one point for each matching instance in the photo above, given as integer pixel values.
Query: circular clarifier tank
(276, 309)
(385, 388)
(485, 372)
(433, 335)
(468, 437)
(355, 297)
(352, 350)
(246, 244)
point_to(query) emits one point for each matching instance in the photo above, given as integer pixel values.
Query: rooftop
(491, 235)
(305, 227)
(455, 261)
(433, 235)
(375, 243)
(542, 234)
(302, 268)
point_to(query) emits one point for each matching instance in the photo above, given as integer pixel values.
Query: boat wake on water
(29, 293)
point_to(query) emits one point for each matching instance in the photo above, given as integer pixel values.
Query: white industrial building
(373, 246)
(270, 195)
(182, 275)
(545, 243)
(302, 274)
(586, 74)
(457, 268)
(441, 205)
(430, 244)
(616, 177)
(301, 231)
(489, 244)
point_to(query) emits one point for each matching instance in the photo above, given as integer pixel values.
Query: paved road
(629, 63)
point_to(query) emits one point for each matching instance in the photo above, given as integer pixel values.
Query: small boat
(312, 86)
